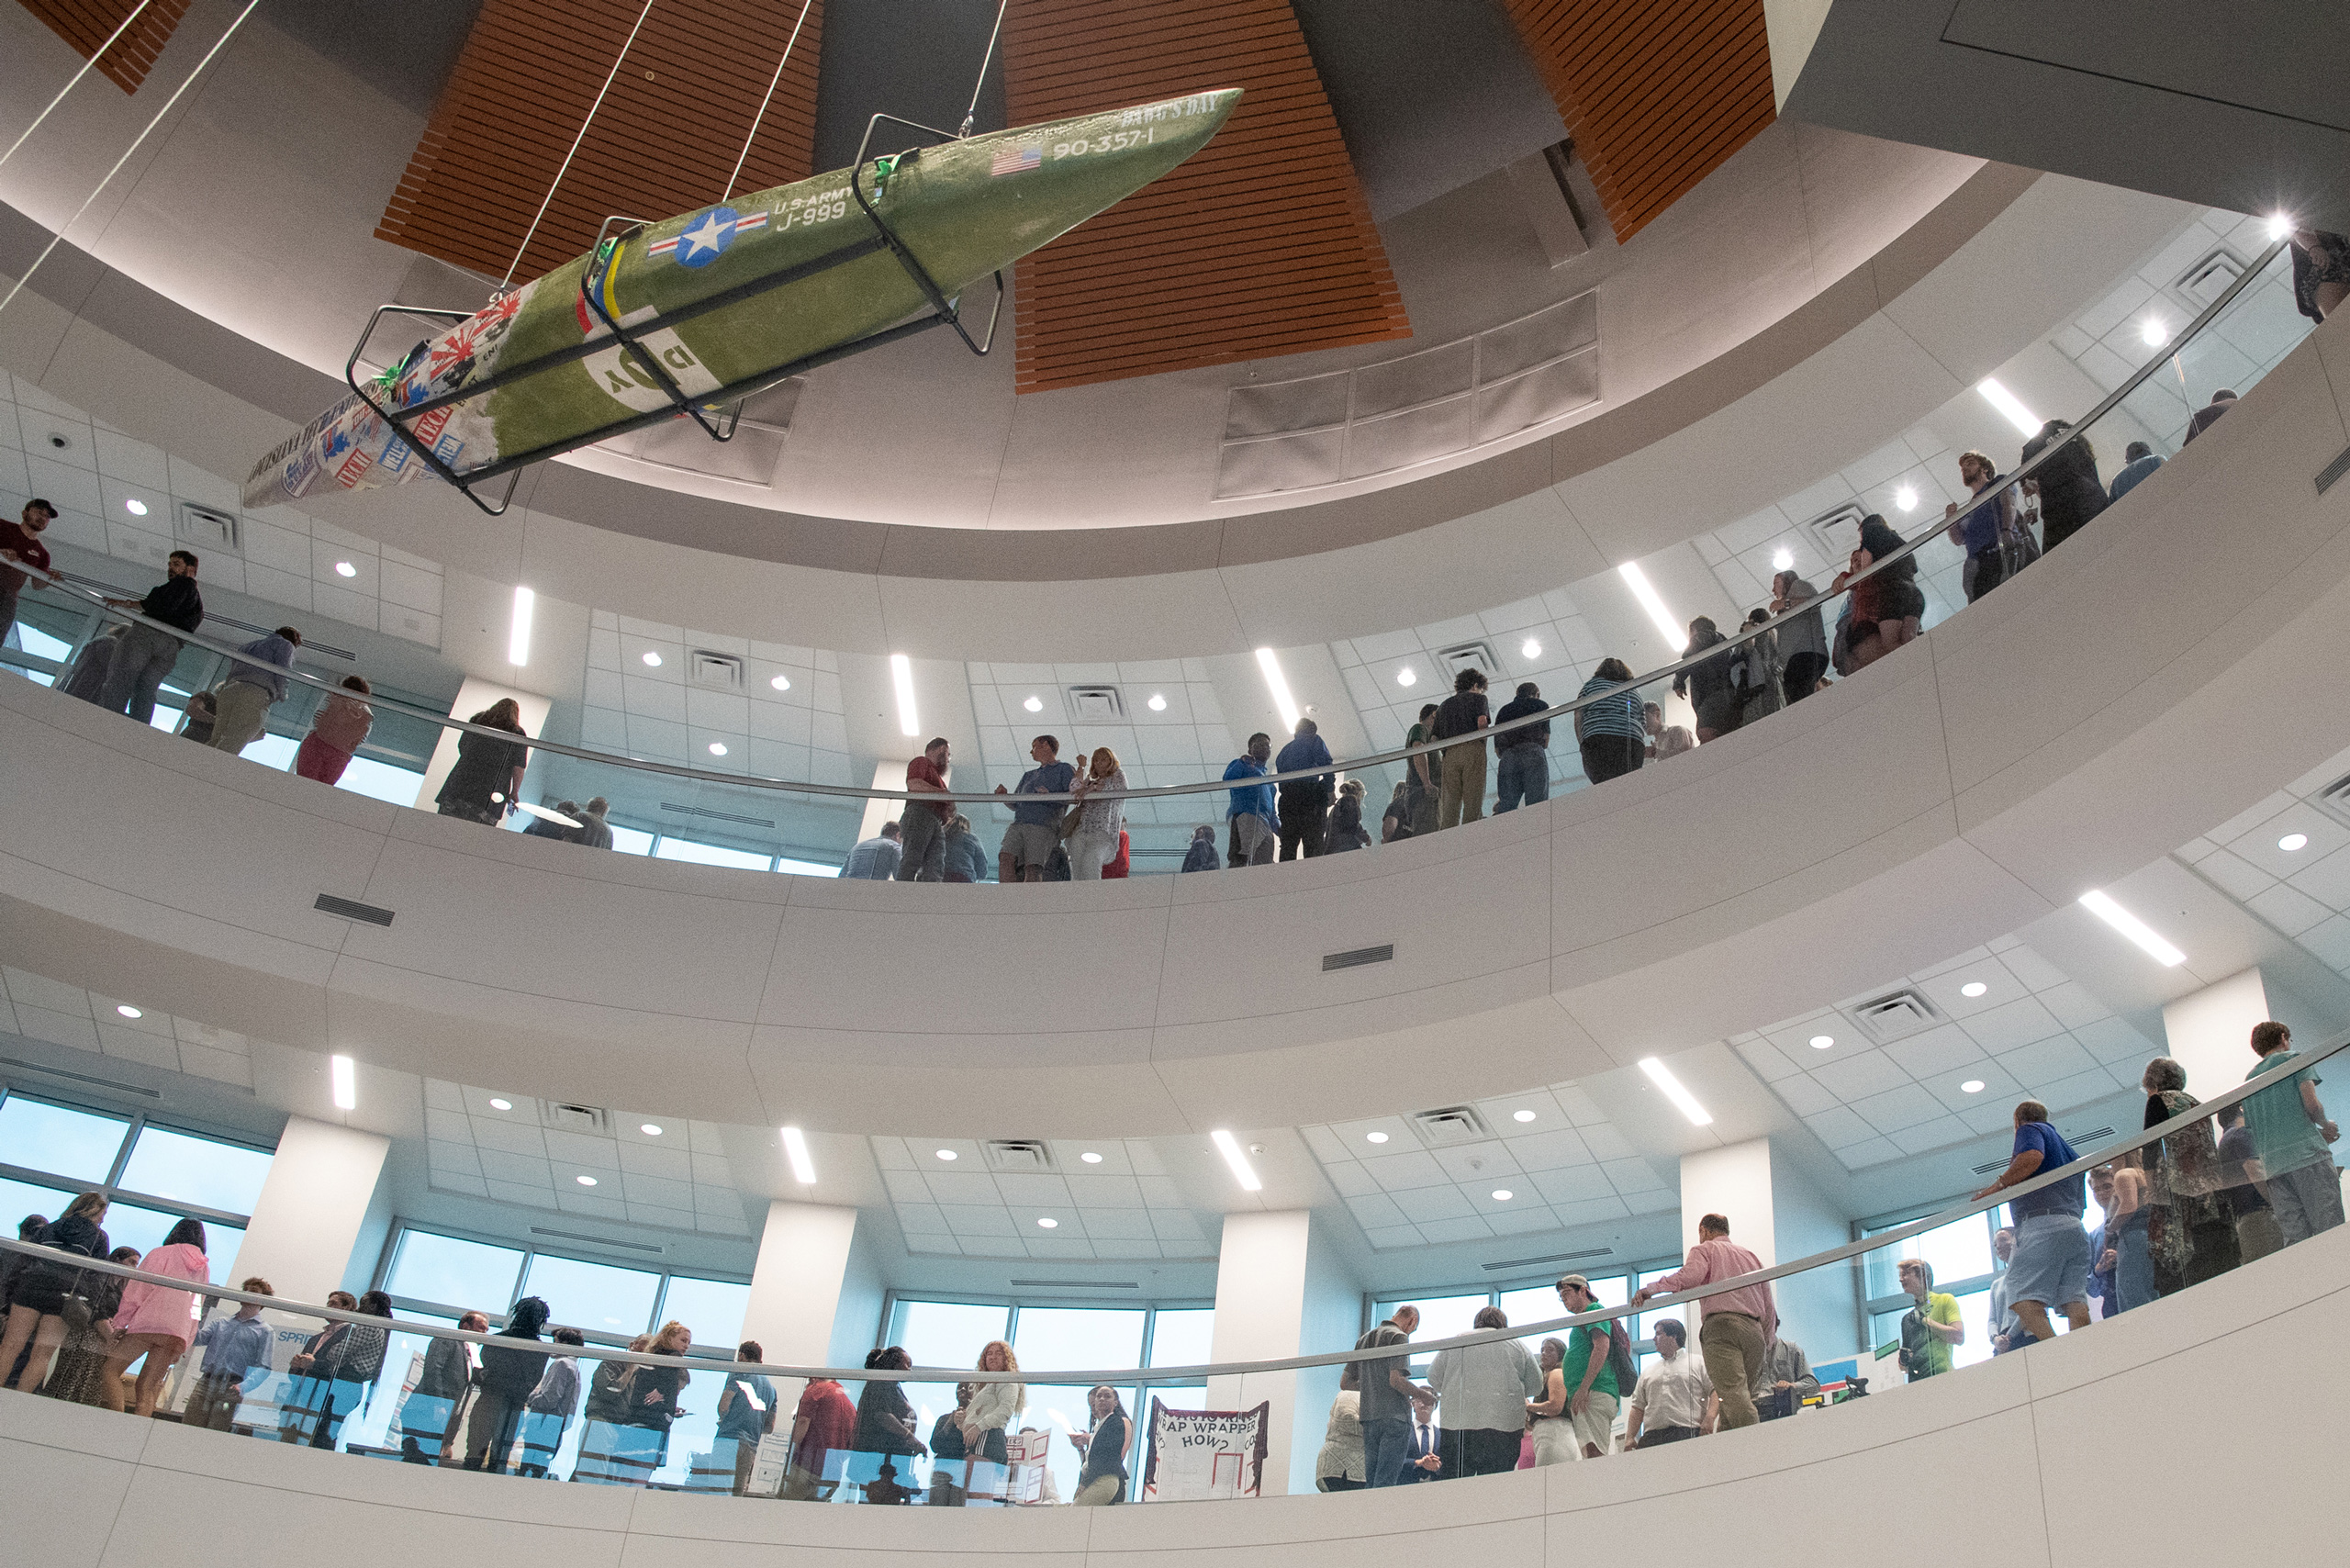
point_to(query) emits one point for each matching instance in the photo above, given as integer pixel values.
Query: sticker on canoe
(707, 240)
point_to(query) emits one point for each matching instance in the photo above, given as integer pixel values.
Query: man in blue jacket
(1253, 821)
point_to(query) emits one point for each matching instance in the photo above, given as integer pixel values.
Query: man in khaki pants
(1462, 797)
(1739, 1324)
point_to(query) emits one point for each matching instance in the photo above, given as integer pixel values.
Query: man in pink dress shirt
(1739, 1324)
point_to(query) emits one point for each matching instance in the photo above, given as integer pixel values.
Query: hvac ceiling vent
(720, 672)
(593, 1120)
(1834, 535)
(1507, 1264)
(1077, 1284)
(1894, 1017)
(1453, 1125)
(1017, 1154)
(2090, 1136)
(1468, 656)
(2209, 278)
(1097, 705)
(208, 530)
(2334, 800)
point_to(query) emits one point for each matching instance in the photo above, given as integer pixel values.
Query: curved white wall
(2037, 1456)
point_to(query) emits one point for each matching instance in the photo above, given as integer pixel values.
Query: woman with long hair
(52, 1295)
(1099, 821)
(337, 730)
(993, 1404)
(156, 1322)
(2190, 1234)
(487, 777)
(1103, 1480)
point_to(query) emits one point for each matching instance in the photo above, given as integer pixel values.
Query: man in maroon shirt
(825, 1424)
(923, 826)
(21, 546)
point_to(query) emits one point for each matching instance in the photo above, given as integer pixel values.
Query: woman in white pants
(1098, 822)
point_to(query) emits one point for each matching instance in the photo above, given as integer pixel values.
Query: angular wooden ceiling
(1658, 94)
(1261, 244)
(663, 143)
(87, 24)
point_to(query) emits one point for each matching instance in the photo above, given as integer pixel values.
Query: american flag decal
(1017, 160)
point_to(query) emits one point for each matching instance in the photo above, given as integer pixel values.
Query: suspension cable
(169, 104)
(75, 79)
(985, 61)
(773, 82)
(609, 77)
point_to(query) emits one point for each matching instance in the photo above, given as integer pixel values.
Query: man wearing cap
(1739, 1323)
(21, 546)
(1588, 1374)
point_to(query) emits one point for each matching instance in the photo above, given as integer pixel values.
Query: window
(595, 1298)
(381, 781)
(77, 1145)
(804, 867)
(631, 841)
(189, 1169)
(448, 1271)
(710, 855)
(713, 1309)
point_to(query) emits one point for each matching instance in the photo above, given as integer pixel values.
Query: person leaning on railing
(2051, 1267)
(1739, 1325)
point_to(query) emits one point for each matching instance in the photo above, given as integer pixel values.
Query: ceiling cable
(76, 81)
(773, 82)
(129, 152)
(609, 77)
(985, 61)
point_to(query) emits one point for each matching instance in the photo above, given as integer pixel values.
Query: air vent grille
(717, 816)
(1018, 1155)
(1894, 1017)
(352, 909)
(592, 1119)
(2090, 1136)
(1078, 1284)
(1478, 657)
(720, 672)
(1453, 1125)
(1834, 535)
(205, 529)
(2209, 278)
(597, 1240)
(1096, 704)
(2331, 475)
(1508, 1263)
(20, 1065)
(1356, 958)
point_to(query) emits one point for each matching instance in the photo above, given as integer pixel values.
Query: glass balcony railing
(2205, 1188)
(1288, 799)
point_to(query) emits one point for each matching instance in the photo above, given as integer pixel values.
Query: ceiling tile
(1857, 1076)
(1549, 1151)
(1575, 1184)
(1401, 1172)
(1423, 1204)
(974, 1219)
(2019, 1023)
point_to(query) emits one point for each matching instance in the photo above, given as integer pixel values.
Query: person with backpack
(1739, 1324)
(1588, 1375)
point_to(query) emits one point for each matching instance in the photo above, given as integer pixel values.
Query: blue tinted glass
(713, 1309)
(130, 1225)
(381, 781)
(372, 1425)
(75, 1144)
(189, 1169)
(710, 855)
(1180, 1336)
(1071, 1338)
(18, 1199)
(695, 1431)
(595, 1298)
(631, 841)
(943, 1334)
(467, 1274)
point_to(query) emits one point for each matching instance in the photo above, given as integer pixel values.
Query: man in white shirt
(1674, 1399)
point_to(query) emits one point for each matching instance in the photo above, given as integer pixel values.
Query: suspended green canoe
(682, 317)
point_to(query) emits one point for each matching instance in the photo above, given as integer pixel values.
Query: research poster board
(1196, 1455)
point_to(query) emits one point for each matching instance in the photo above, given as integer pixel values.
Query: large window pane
(371, 1427)
(595, 1298)
(696, 1431)
(804, 867)
(632, 840)
(1058, 1338)
(471, 1276)
(128, 1225)
(943, 1334)
(18, 1199)
(1441, 1316)
(381, 781)
(685, 850)
(188, 1169)
(1182, 1337)
(713, 1309)
(78, 1146)
(1960, 1250)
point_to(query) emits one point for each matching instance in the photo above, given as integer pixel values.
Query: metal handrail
(1723, 649)
(1152, 1376)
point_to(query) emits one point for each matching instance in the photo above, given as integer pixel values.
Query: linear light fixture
(1278, 683)
(518, 640)
(902, 676)
(2148, 940)
(2011, 406)
(343, 1073)
(1662, 1076)
(795, 1148)
(1234, 1156)
(1675, 637)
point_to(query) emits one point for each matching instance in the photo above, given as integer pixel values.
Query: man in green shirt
(1929, 1328)
(1591, 1394)
(2291, 1130)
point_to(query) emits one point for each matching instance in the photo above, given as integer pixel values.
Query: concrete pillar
(311, 1208)
(2210, 1032)
(1776, 1213)
(804, 1303)
(1279, 1295)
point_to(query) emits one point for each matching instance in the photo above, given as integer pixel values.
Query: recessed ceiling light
(1048, 1222)
(2293, 842)
(781, 683)
(717, 748)
(1905, 498)
(2147, 939)
(1972, 1086)
(2154, 332)
(1503, 1194)
(2280, 224)
(1521, 1116)
(585, 1180)
(1532, 648)
(1686, 1102)
(1407, 676)
(129, 1012)
(946, 1154)
(1973, 987)
(135, 507)
(1374, 1138)
(1821, 1042)
(1783, 559)
(1035, 704)
(345, 569)
(1091, 1157)
(1158, 703)
(650, 1129)
(652, 658)
(501, 1105)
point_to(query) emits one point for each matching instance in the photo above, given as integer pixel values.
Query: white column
(2210, 1032)
(311, 1208)
(1262, 1281)
(886, 775)
(797, 1288)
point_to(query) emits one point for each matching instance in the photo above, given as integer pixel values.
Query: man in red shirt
(923, 829)
(21, 546)
(825, 1424)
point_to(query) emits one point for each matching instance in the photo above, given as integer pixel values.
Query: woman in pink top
(338, 730)
(155, 1321)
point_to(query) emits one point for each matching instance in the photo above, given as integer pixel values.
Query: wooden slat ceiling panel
(1658, 94)
(663, 143)
(86, 24)
(1261, 245)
